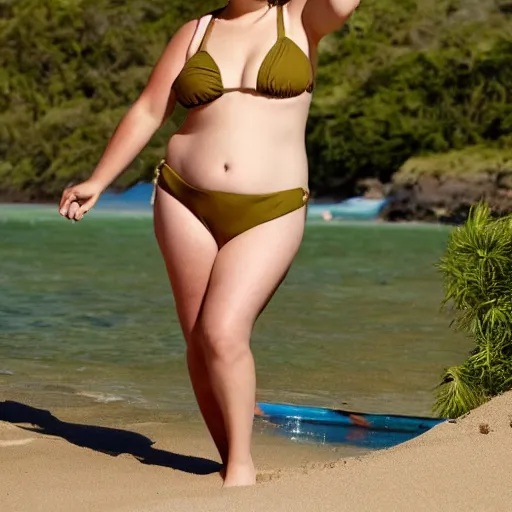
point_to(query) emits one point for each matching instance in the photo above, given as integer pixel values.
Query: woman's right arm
(155, 104)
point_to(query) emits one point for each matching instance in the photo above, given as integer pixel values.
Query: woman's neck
(238, 8)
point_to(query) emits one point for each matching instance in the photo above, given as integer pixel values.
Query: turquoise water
(86, 313)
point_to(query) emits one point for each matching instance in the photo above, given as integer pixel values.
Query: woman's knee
(194, 341)
(223, 340)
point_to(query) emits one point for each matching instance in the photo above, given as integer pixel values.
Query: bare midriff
(243, 143)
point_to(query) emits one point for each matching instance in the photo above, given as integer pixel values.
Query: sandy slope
(453, 467)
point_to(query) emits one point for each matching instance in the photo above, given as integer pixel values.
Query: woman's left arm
(321, 17)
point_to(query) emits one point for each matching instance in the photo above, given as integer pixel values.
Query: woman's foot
(238, 475)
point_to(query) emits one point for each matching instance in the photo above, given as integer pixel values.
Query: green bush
(477, 270)
(464, 164)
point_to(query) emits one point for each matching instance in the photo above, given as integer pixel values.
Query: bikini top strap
(208, 32)
(281, 31)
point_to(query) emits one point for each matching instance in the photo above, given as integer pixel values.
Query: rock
(447, 198)
(370, 188)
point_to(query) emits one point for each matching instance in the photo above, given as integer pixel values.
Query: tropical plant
(477, 270)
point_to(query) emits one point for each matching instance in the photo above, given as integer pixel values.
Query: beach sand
(466, 465)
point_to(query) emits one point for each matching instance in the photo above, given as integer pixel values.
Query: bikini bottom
(227, 214)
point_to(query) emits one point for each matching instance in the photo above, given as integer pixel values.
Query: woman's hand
(77, 200)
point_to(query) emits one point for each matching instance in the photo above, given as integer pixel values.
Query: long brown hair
(273, 3)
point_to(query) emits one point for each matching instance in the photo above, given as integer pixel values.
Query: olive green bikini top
(285, 72)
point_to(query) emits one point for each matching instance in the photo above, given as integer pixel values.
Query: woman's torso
(243, 142)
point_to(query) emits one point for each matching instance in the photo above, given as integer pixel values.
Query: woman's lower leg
(210, 410)
(233, 380)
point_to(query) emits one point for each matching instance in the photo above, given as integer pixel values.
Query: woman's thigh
(189, 252)
(245, 275)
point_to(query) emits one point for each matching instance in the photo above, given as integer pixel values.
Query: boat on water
(355, 208)
(372, 431)
(135, 198)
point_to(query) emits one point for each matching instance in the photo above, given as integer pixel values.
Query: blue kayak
(373, 431)
(354, 208)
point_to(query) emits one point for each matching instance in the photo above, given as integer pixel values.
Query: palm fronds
(458, 393)
(477, 270)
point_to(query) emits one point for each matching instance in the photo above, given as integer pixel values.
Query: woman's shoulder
(186, 31)
(182, 40)
(195, 24)
(191, 32)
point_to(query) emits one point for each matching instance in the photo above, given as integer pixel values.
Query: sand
(466, 465)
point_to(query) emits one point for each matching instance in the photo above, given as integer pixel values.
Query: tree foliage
(416, 79)
(401, 79)
(477, 270)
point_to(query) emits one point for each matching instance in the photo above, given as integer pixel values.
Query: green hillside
(402, 79)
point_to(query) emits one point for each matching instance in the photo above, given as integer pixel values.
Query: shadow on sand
(111, 441)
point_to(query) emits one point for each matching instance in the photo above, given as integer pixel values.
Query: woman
(230, 201)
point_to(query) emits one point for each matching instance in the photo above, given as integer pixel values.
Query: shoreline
(21, 211)
(456, 466)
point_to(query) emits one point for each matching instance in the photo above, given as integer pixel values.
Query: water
(374, 431)
(86, 315)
